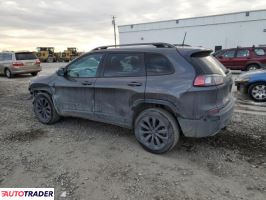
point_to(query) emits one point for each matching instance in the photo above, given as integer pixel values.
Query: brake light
(38, 62)
(17, 64)
(208, 80)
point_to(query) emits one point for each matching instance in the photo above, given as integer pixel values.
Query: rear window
(204, 63)
(259, 52)
(25, 56)
(157, 64)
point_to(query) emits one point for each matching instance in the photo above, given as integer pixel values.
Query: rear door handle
(134, 84)
(86, 83)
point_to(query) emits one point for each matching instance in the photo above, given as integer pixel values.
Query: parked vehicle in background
(253, 84)
(158, 90)
(12, 63)
(245, 59)
(46, 54)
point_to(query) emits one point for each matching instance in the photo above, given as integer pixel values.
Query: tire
(257, 92)
(44, 109)
(8, 73)
(252, 67)
(156, 130)
(34, 73)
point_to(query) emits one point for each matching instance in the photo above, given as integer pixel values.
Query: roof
(242, 16)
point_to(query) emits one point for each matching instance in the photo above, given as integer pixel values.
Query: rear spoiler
(194, 52)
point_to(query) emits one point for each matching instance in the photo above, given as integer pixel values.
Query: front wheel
(44, 109)
(258, 92)
(156, 130)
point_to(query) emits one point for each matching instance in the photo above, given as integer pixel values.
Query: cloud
(27, 24)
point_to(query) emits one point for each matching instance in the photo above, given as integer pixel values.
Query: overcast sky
(26, 24)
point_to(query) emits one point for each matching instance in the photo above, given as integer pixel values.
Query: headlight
(242, 79)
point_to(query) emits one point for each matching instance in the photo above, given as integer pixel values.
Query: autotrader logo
(26, 193)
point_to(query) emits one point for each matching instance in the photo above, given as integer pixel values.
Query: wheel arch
(253, 63)
(141, 105)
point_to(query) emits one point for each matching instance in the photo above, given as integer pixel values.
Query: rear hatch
(27, 61)
(206, 65)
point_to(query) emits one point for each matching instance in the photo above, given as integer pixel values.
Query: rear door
(121, 84)
(241, 59)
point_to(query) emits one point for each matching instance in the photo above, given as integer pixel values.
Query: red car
(246, 59)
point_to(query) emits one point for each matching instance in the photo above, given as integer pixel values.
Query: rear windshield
(204, 63)
(25, 56)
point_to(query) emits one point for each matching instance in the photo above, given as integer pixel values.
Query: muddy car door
(74, 92)
(122, 83)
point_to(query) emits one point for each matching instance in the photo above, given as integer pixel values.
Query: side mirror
(220, 57)
(61, 72)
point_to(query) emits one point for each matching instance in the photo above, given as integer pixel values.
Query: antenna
(184, 39)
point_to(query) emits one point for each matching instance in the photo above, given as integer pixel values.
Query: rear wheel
(156, 130)
(34, 73)
(252, 67)
(44, 109)
(8, 73)
(258, 92)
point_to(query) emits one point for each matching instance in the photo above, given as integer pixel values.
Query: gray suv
(12, 63)
(159, 90)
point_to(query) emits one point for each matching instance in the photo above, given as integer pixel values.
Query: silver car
(12, 63)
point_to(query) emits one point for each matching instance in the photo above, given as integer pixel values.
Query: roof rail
(158, 45)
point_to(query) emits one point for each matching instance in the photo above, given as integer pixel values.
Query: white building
(215, 32)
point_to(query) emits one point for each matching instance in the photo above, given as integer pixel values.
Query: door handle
(86, 83)
(134, 84)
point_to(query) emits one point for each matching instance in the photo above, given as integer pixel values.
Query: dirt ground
(90, 160)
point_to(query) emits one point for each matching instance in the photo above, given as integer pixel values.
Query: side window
(7, 57)
(124, 64)
(157, 64)
(85, 67)
(1, 57)
(259, 52)
(229, 54)
(242, 53)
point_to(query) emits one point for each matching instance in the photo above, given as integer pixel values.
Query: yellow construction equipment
(70, 54)
(46, 54)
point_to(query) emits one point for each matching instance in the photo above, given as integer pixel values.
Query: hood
(251, 73)
(43, 79)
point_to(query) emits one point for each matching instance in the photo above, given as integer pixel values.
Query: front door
(74, 93)
(122, 83)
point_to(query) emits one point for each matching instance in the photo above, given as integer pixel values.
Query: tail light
(208, 80)
(38, 62)
(17, 64)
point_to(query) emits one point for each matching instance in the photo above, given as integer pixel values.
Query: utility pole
(113, 22)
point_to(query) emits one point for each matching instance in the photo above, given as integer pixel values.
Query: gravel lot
(90, 160)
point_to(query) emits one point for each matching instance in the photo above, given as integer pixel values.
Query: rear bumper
(25, 71)
(209, 125)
